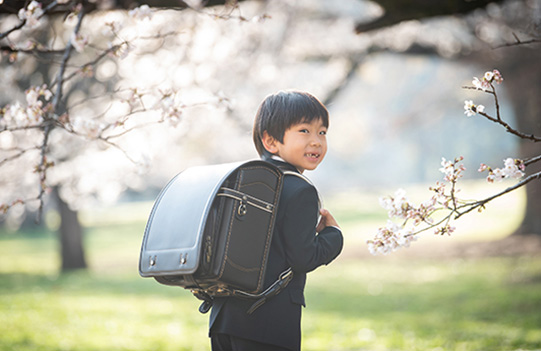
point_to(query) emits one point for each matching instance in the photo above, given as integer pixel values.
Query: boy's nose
(315, 141)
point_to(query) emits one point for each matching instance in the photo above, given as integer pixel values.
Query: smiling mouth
(313, 155)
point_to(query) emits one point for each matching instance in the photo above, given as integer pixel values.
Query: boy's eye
(323, 132)
(304, 130)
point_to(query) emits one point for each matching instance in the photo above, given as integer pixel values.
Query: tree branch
(17, 155)
(481, 203)
(500, 121)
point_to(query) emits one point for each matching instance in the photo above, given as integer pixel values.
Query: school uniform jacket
(294, 244)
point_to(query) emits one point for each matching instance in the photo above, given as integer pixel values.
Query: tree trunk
(70, 235)
(522, 81)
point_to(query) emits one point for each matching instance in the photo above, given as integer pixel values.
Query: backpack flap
(173, 235)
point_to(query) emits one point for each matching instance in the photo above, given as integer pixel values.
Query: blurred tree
(77, 127)
(513, 33)
(397, 11)
(90, 106)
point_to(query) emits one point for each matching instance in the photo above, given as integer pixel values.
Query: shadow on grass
(83, 282)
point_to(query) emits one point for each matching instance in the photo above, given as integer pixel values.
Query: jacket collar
(279, 162)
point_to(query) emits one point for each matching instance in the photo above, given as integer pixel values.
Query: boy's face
(304, 146)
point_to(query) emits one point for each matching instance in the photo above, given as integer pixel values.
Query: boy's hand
(327, 220)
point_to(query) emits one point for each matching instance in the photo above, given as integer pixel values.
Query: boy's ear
(269, 142)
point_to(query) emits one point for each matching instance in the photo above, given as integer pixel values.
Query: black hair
(281, 110)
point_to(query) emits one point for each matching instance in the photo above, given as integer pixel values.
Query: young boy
(289, 131)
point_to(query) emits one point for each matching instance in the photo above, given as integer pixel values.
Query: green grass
(356, 303)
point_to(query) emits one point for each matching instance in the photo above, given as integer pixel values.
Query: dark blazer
(294, 244)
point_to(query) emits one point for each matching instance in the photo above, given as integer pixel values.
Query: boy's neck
(268, 156)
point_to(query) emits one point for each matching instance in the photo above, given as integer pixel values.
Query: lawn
(358, 302)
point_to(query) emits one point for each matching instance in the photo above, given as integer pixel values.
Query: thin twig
(519, 42)
(94, 62)
(49, 126)
(500, 121)
(17, 155)
(17, 27)
(531, 160)
(510, 129)
(30, 51)
(23, 22)
(481, 203)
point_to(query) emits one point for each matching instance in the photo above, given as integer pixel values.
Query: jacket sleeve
(306, 250)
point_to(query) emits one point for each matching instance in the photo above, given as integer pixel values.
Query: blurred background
(182, 90)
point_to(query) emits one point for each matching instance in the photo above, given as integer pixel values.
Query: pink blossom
(390, 238)
(497, 76)
(31, 14)
(513, 168)
(396, 206)
(451, 169)
(483, 168)
(446, 229)
(489, 77)
(79, 41)
(480, 84)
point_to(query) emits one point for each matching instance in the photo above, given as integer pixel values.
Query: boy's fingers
(326, 219)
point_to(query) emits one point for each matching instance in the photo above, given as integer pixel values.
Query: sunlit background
(396, 102)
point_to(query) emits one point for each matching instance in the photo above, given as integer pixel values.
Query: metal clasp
(242, 206)
(183, 258)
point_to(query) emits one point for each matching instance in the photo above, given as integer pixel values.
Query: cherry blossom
(120, 51)
(398, 205)
(513, 168)
(489, 77)
(134, 99)
(170, 110)
(497, 77)
(452, 170)
(393, 236)
(31, 14)
(420, 218)
(88, 127)
(79, 41)
(390, 238)
(112, 27)
(19, 116)
(142, 12)
(470, 109)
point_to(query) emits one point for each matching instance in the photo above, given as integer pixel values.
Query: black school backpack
(210, 231)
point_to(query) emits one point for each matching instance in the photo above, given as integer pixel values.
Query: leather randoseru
(211, 227)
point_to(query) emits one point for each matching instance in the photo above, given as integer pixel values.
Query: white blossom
(120, 51)
(141, 13)
(470, 109)
(396, 206)
(390, 238)
(480, 84)
(79, 41)
(512, 169)
(87, 127)
(489, 77)
(31, 14)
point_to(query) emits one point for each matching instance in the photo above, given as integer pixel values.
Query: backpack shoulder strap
(291, 173)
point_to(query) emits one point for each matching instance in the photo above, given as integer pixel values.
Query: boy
(289, 131)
